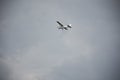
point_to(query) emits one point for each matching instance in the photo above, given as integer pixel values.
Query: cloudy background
(32, 48)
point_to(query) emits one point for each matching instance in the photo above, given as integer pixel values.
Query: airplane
(63, 27)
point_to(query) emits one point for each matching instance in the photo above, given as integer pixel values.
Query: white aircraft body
(61, 26)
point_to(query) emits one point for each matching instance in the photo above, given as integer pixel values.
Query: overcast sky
(32, 47)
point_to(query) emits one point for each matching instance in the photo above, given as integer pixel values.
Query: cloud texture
(32, 48)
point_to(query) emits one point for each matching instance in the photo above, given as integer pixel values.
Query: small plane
(63, 27)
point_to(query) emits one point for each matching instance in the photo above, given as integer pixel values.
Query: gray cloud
(32, 48)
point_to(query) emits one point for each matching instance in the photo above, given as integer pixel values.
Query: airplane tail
(69, 26)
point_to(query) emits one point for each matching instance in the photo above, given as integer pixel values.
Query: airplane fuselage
(63, 27)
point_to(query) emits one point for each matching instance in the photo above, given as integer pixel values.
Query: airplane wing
(59, 23)
(69, 26)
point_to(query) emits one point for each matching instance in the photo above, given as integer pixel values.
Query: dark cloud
(31, 47)
(4, 70)
(4, 67)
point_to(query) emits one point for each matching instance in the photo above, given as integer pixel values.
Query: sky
(33, 48)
